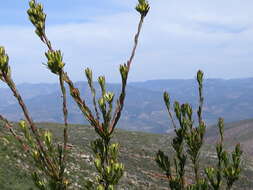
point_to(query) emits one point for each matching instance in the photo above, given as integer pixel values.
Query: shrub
(187, 144)
(50, 158)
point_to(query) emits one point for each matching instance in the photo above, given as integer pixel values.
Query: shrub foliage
(187, 147)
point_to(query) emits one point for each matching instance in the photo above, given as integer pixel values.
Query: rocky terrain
(137, 153)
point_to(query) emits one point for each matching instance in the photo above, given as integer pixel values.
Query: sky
(178, 38)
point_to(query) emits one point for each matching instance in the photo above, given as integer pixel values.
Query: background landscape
(143, 116)
(144, 108)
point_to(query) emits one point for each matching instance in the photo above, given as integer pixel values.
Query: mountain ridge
(144, 108)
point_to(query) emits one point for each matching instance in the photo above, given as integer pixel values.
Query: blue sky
(178, 38)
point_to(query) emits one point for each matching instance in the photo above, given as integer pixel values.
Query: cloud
(178, 38)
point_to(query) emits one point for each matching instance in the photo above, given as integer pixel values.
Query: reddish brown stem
(34, 129)
(81, 103)
(120, 102)
(65, 114)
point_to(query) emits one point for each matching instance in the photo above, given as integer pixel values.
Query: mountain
(144, 108)
(137, 152)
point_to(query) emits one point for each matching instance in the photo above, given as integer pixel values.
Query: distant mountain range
(144, 108)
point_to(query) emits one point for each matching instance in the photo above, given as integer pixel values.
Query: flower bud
(210, 172)
(37, 17)
(22, 124)
(238, 150)
(66, 182)
(35, 154)
(41, 183)
(98, 165)
(166, 98)
(88, 73)
(4, 60)
(143, 7)
(221, 127)
(100, 187)
(108, 170)
(200, 75)
(114, 146)
(55, 61)
(40, 6)
(123, 71)
(189, 111)
(32, 3)
(101, 81)
(177, 110)
(109, 97)
(48, 137)
(101, 102)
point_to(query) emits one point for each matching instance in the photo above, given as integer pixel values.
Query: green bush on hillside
(187, 147)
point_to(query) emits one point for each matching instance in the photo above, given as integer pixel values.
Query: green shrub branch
(187, 145)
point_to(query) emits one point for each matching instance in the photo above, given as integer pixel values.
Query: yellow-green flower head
(115, 145)
(108, 170)
(124, 71)
(100, 187)
(166, 98)
(101, 102)
(36, 15)
(143, 7)
(4, 60)
(200, 75)
(98, 164)
(101, 81)
(35, 154)
(118, 166)
(109, 97)
(66, 182)
(55, 61)
(41, 183)
(88, 73)
(22, 124)
(48, 136)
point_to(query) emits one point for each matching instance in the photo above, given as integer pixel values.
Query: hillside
(137, 153)
(236, 132)
(144, 108)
